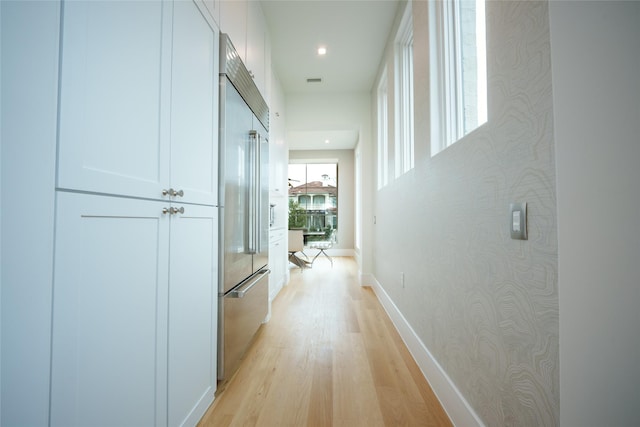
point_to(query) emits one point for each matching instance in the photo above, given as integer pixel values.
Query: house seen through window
(313, 198)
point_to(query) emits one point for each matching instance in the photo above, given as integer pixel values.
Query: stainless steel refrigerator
(244, 218)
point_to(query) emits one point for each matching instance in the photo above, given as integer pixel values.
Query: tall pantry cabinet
(135, 271)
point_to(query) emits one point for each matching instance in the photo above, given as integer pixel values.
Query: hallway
(329, 356)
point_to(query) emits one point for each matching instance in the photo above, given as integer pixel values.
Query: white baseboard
(454, 404)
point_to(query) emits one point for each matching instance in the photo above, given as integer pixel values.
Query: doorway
(313, 199)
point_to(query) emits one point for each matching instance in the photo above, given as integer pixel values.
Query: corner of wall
(366, 280)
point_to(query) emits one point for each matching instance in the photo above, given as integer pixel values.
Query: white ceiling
(355, 34)
(316, 139)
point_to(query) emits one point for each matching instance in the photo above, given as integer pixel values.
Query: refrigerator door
(244, 310)
(235, 126)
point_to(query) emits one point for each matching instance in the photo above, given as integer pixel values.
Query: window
(313, 197)
(404, 94)
(458, 70)
(383, 132)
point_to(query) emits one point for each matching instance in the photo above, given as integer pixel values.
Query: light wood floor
(328, 357)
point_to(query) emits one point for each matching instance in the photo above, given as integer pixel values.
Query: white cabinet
(114, 67)
(277, 261)
(193, 302)
(134, 331)
(233, 21)
(255, 58)
(213, 7)
(96, 308)
(138, 86)
(194, 105)
(244, 21)
(278, 150)
(134, 315)
(278, 155)
(109, 314)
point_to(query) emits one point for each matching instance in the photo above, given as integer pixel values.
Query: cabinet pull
(172, 211)
(173, 193)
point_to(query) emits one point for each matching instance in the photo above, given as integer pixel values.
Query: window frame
(448, 94)
(404, 99)
(383, 130)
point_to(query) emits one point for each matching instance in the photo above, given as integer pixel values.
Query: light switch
(518, 221)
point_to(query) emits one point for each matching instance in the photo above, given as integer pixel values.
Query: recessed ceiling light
(326, 141)
(322, 50)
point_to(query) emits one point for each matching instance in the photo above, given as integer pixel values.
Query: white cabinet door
(256, 41)
(194, 90)
(135, 312)
(213, 7)
(109, 314)
(193, 302)
(115, 69)
(138, 100)
(277, 261)
(277, 153)
(233, 21)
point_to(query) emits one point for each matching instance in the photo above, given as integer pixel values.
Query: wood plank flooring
(329, 356)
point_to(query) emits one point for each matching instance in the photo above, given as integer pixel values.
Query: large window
(313, 197)
(458, 70)
(383, 133)
(404, 94)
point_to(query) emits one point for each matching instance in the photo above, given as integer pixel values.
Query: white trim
(453, 402)
(403, 76)
(383, 130)
(448, 91)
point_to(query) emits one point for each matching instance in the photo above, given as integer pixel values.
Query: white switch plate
(518, 221)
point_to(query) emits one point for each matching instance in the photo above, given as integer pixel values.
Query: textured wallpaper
(485, 306)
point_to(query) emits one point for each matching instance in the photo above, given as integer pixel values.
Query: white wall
(29, 101)
(484, 305)
(596, 90)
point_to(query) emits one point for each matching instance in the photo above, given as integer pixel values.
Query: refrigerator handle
(258, 189)
(253, 190)
(242, 290)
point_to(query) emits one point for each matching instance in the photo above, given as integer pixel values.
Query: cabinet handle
(172, 211)
(173, 193)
